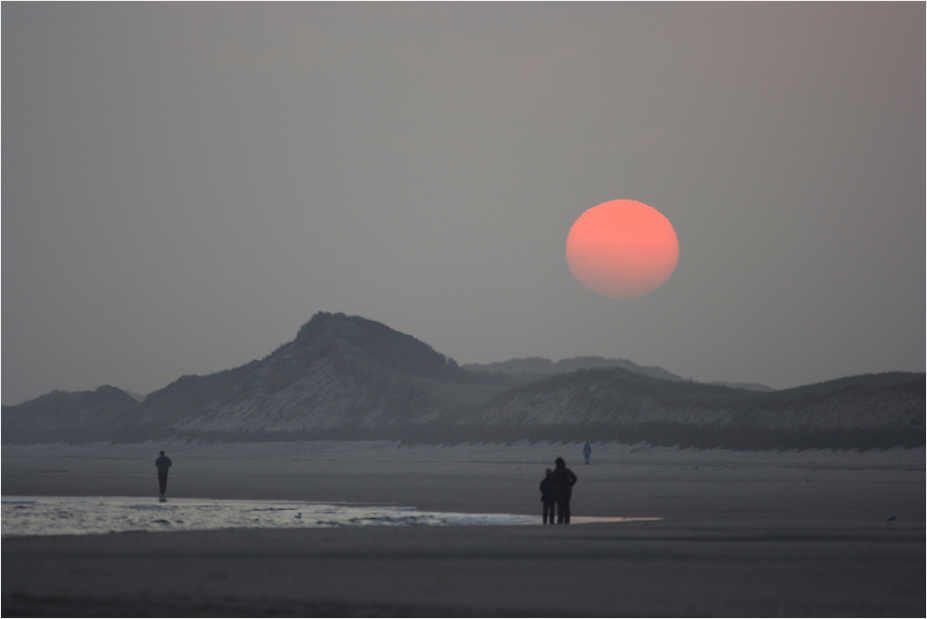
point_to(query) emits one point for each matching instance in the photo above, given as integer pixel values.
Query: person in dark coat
(163, 463)
(548, 498)
(563, 480)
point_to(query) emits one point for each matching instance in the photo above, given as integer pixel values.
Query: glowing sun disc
(622, 249)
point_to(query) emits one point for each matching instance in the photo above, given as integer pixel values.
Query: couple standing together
(556, 489)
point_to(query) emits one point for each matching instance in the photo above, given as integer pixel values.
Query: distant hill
(340, 374)
(533, 369)
(871, 410)
(537, 368)
(136, 396)
(347, 377)
(81, 416)
(747, 386)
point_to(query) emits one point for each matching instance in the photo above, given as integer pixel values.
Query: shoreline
(623, 480)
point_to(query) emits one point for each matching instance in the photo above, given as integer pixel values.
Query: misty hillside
(62, 416)
(537, 368)
(347, 377)
(340, 372)
(533, 369)
(870, 410)
(747, 386)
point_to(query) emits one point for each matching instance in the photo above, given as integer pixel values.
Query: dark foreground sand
(741, 535)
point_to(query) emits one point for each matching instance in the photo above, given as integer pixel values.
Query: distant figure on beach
(563, 480)
(548, 498)
(163, 463)
(587, 451)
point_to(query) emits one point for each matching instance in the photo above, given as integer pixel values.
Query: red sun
(622, 249)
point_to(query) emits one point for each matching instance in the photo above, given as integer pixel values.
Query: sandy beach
(740, 533)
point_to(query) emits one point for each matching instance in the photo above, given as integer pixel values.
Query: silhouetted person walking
(548, 497)
(563, 480)
(587, 451)
(163, 463)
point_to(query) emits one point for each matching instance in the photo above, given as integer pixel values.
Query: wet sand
(742, 534)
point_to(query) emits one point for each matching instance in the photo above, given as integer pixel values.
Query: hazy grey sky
(185, 185)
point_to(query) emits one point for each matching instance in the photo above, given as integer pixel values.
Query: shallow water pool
(30, 516)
